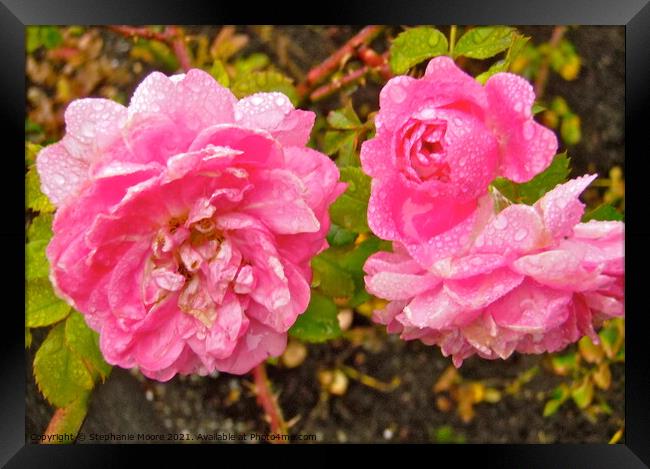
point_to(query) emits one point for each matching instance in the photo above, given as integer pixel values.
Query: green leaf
(537, 108)
(531, 191)
(68, 419)
(33, 39)
(583, 394)
(36, 200)
(50, 36)
(559, 395)
(349, 210)
(338, 236)
(255, 61)
(610, 339)
(36, 263)
(414, 46)
(218, 71)
(564, 364)
(41, 227)
(484, 42)
(500, 66)
(28, 337)
(335, 140)
(331, 279)
(60, 374)
(604, 212)
(85, 342)
(42, 306)
(351, 259)
(344, 118)
(31, 150)
(319, 322)
(570, 129)
(348, 156)
(266, 81)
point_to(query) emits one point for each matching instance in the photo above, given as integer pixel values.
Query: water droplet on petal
(500, 223)
(521, 234)
(529, 130)
(397, 94)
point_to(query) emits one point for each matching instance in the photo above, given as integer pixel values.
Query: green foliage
(558, 397)
(344, 264)
(218, 71)
(69, 363)
(60, 373)
(68, 420)
(42, 36)
(503, 65)
(36, 200)
(344, 119)
(319, 322)
(446, 434)
(331, 278)
(85, 342)
(484, 42)
(604, 212)
(264, 81)
(570, 129)
(531, 191)
(42, 306)
(349, 210)
(338, 236)
(347, 131)
(414, 46)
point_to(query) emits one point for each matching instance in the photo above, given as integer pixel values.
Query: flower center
(192, 257)
(421, 150)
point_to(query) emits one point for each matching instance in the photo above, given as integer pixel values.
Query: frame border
(633, 14)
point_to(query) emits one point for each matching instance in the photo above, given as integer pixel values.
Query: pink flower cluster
(186, 223)
(463, 275)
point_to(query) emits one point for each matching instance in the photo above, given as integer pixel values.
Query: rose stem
(268, 402)
(542, 75)
(338, 58)
(172, 36)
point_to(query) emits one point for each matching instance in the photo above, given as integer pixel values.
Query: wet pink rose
(440, 141)
(533, 279)
(186, 223)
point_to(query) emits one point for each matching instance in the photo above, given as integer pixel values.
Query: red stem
(268, 402)
(172, 36)
(130, 31)
(339, 57)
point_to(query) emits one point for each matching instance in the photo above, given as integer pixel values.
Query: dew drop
(519, 106)
(397, 94)
(520, 234)
(500, 223)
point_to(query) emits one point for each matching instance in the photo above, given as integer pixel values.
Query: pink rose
(533, 280)
(186, 223)
(440, 141)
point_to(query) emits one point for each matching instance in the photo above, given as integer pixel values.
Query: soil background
(129, 403)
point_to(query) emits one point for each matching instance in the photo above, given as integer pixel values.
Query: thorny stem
(383, 68)
(338, 58)
(542, 75)
(172, 36)
(268, 402)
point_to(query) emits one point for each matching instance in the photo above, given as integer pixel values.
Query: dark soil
(129, 403)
